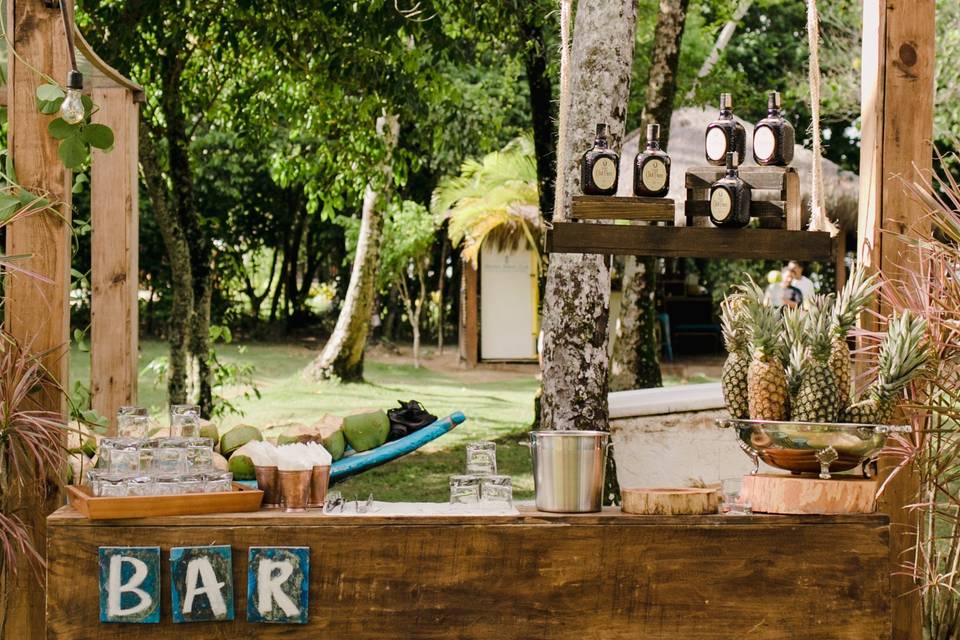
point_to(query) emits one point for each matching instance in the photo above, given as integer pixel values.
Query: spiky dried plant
(931, 291)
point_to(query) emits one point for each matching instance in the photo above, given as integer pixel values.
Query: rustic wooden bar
(533, 576)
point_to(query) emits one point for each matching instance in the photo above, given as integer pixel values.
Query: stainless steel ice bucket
(568, 470)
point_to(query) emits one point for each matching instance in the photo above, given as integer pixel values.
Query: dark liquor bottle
(651, 167)
(725, 135)
(773, 137)
(600, 167)
(730, 199)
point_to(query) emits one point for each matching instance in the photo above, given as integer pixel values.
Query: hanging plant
(76, 140)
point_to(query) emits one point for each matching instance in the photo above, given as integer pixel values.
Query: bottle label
(654, 175)
(764, 143)
(720, 204)
(604, 173)
(716, 144)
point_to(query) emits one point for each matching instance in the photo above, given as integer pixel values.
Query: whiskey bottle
(730, 199)
(600, 167)
(725, 135)
(773, 137)
(651, 167)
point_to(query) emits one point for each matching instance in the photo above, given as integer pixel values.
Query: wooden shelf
(764, 178)
(627, 208)
(690, 242)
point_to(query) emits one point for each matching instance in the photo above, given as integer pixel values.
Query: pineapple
(854, 297)
(816, 395)
(766, 377)
(794, 346)
(733, 323)
(903, 355)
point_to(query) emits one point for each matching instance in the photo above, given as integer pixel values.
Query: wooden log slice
(772, 493)
(670, 501)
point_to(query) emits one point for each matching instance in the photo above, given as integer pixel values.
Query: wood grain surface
(668, 502)
(622, 208)
(532, 576)
(779, 493)
(697, 242)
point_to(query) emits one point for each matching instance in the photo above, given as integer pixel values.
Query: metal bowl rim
(551, 433)
(836, 426)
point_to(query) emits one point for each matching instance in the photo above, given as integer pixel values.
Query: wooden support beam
(622, 208)
(469, 315)
(694, 242)
(36, 312)
(115, 215)
(897, 127)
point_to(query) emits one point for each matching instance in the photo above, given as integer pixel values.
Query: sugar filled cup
(268, 481)
(319, 481)
(295, 489)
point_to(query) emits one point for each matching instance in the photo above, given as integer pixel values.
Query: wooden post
(115, 216)
(469, 316)
(36, 312)
(897, 127)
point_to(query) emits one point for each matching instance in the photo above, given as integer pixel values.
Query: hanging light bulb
(71, 109)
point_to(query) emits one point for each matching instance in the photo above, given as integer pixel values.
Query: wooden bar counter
(529, 577)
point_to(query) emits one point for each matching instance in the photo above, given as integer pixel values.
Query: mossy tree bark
(577, 295)
(342, 356)
(636, 356)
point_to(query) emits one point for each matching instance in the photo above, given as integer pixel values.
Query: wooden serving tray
(240, 499)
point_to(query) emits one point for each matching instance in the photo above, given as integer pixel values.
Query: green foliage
(409, 232)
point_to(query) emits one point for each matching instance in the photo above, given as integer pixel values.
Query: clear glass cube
(464, 489)
(496, 489)
(141, 486)
(199, 455)
(112, 485)
(482, 458)
(124, 461)
(167, 486)
(193, 483)
(132, 426)
(169, 461)
(219, 482)
(184, 420)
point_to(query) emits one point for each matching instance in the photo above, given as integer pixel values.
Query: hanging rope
(566, 8)
(818, 209)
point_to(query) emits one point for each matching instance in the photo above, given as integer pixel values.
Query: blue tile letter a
(130, 584)
(278, 584)
(201, 583)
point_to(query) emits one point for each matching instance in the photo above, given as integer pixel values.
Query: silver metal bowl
(811, 447)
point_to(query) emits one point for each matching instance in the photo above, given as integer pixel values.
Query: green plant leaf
(60, 129)
(49, 107)
(8, 206)
(72, 152)
(49, 92)
(88, 106)
(98, 135)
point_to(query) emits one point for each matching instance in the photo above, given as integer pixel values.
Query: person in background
(790, 295)
(773, 294)
(800, 281)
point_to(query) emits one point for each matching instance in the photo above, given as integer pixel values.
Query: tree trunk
(441, 274)
(541, 109)
(726, 34)
(578, 286)
(181, 273)
(636, 357)
(342, 357)
(200, 347)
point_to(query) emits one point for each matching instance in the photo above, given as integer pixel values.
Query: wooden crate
(535, 575)
(775, 195)
(622, 208)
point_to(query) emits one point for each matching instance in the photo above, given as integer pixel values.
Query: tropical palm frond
(495, 198)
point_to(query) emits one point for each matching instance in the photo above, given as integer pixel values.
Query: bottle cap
(726, 101)
(653, 132)
(773, 101)
(74, 80)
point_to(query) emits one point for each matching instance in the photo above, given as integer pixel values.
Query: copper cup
(269, 483)
(295, 489)
(319, 479)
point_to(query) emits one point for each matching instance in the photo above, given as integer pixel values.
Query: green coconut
(237, 437)
(367, 430)
(241, 467)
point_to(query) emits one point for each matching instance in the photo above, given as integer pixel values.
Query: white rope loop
(818, 210)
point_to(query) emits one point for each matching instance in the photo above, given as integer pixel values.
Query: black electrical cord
(68, 31)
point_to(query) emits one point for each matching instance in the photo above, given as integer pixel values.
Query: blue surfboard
(358, 462)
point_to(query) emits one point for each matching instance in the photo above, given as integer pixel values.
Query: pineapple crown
(765, 329)
(817, 323)
(733, 323)
(853, 298)
(796, 361)
(903, 355)
(751, 291)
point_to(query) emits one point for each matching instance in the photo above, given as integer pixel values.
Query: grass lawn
(498, 407)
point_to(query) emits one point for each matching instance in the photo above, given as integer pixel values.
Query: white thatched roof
(687, 129)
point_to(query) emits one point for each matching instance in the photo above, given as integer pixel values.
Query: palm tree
(495, 198)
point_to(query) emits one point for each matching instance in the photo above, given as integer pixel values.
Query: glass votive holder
(184, 420)
(464, 489)
(199, 455)
(218, 482)
(123, 460)
(496, 489)
(167, 486)
(732, 500)
(170, 461)
(132, 426)
(128, 410)
(141, 486)
(482, 458)
(113, 485)
(193, 483)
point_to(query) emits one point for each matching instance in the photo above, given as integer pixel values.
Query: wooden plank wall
(36, 312)
(897, 102)
(543, 577)
(115, 220)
